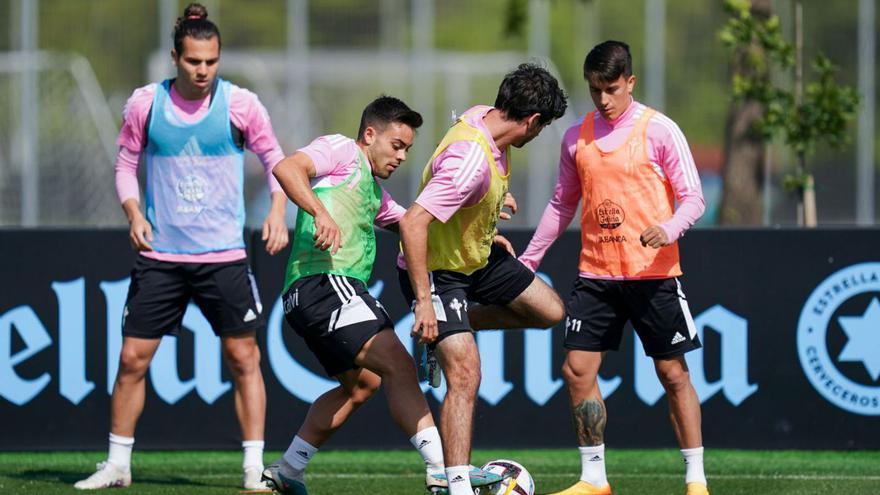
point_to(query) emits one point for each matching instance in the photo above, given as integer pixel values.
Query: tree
(744, 147)
(763, 110)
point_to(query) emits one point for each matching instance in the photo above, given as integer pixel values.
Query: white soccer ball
(517, 480)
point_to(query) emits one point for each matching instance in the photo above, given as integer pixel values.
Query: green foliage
(748, 34)
(826, 107)
(826, 111)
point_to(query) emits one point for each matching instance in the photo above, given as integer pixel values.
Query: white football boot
(252, 480)
(106, 476)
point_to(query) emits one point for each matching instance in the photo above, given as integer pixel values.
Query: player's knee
(363, 389)
(131, 364)
(569, 374)
(553, 313)
(674, 378)
(579, 376)
(574, 374)
(399, 361)
(243, 359)
(395, 368)
(404, 367)
(545, 310)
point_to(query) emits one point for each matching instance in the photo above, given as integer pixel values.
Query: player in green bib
(353, 204)
(333, 180)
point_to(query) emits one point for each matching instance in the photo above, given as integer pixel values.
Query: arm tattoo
(589, 421)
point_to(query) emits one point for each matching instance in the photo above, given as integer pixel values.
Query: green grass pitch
(631, 472)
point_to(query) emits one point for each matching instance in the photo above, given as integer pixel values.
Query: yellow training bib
(462, 244)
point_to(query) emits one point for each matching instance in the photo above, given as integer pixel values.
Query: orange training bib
(623, 194)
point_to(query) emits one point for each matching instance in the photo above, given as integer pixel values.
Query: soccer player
(453, 259)
(192, 130)
(334, 182)
(629, 164)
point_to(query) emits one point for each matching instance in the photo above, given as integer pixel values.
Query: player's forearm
(132, 209)
(690, 209)
(553, 223)
(279, 203)
(126, 175)
(293, 176)
(414, 238)
(248, 114)
(269, 159)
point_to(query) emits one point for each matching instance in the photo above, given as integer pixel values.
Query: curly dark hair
(531, 89)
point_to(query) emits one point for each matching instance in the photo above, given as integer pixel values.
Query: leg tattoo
(589, 421)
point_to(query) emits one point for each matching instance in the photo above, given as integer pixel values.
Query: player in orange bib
(629, 164)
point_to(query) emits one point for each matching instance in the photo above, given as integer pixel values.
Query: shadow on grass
(69, 478)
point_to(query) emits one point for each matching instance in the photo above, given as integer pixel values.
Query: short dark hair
(195, 24)
(531, 89)
(386, 110)
(607, 61)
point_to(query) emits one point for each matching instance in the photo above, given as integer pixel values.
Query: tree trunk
(744, 148)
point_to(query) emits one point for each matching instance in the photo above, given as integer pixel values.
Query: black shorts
(336, 316)
(598, 310)
(499, 282)
(160, 291)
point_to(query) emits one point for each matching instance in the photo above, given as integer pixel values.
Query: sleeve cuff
(671, 235)
(442, 218)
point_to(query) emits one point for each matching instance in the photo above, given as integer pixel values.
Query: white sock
(428, 443)
(299, 454)
(253, 454)
(119, 452)
(693, 460)
(459, 480)
(593, 465)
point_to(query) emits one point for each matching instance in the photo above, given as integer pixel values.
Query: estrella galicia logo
(610, 214)
(838, 338)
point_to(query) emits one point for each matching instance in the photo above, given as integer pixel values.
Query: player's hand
(502, 241)
(140, 234)
(510, 204)
(275, 233)
(425, 323)
(654, 237)
(327, 233)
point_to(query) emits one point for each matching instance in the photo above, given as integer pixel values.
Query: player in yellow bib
(453, 259)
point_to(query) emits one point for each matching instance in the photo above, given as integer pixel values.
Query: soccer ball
(517, 481)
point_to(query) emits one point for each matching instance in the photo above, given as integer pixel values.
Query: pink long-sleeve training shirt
(245, 112)
(668, 152)
(335, 158)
